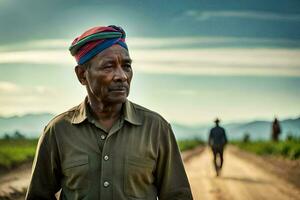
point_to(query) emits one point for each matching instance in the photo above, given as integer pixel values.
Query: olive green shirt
(138, 159)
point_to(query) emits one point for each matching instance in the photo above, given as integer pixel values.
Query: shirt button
(106, 157)
(103, 137)
(106, 184)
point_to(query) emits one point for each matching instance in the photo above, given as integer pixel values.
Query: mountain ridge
(32, 124)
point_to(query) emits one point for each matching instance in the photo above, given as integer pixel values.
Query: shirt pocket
(76, 174)
(138, 176)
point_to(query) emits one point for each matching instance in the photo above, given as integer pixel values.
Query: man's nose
(120, 75)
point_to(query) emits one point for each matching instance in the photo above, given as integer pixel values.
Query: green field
(287, 149)
(189, 144)
(16, 151)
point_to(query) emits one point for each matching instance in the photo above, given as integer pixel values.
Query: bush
(189, 144)
(294, 153)
(288, 149)
(16, 151)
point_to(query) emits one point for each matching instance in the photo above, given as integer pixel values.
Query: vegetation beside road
(189, 144)
(289, 149)
(16, 151)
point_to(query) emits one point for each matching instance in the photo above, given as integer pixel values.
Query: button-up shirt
(137, 159)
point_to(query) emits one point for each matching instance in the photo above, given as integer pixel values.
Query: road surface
(240, 180)
(14, 183)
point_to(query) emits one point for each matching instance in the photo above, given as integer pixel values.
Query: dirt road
(14, 183)
(240, 180)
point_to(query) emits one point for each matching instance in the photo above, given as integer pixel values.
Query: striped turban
(95, 40)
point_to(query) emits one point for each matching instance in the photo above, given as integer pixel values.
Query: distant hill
(262, 129)
(258, 130)
(31, 125)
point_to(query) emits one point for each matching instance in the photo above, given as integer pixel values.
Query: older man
(107, 147)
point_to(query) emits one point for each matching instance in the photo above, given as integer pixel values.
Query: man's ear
(81, 74)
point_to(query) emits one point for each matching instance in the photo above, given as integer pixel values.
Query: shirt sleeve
(172, 182)
(45, 175)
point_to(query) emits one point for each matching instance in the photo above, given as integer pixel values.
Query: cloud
(12, 89)
(8, 87)
(249, 14)
(227, 61)
(42, 44)
(157, 55)
(173, 42)
(222, 61)
(156, 43)
(37, 57)
(19, 99)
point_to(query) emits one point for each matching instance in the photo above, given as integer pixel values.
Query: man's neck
(106, 114)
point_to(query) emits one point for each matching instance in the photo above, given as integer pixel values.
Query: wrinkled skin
(109, 75)
(107, 79)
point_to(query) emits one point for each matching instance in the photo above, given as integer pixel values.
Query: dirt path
(14, 183)
(240, 180)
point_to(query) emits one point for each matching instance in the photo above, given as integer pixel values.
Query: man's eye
(127, 67)
(107, 67)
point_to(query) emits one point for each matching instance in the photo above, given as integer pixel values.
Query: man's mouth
(118, 89)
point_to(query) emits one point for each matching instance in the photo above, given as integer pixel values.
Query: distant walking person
(217, 141)
(276, 130)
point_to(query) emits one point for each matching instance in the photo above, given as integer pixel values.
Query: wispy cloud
(217, 61)
(155, 43)
(249, 14)
(157, 55)
(37, 57)
(20, 99)
(20, 90)
(225, 61)
(8, 87)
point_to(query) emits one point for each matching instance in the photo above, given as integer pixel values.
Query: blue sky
(193, 60)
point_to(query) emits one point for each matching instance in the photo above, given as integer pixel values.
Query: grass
(16, 151)
(189, 144)
(288, 149)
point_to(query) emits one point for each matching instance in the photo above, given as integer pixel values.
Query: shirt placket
(106, 190)
(106, 170)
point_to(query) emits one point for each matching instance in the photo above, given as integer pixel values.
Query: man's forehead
(115, 57)
(113, 53)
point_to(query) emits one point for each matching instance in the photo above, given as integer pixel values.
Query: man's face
(109, 75)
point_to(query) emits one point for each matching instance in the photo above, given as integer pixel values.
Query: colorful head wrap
(95, 40)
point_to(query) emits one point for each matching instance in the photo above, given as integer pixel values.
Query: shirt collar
(129, 112)
(80, 113)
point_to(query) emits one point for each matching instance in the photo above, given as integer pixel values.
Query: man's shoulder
(216, 129)
(221, 128)
(148, 114)
(63, 118)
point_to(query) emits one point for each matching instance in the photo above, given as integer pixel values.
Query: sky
(193, 61)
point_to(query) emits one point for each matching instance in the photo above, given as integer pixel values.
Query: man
(217, 141)
(107, 148)
(276, 130)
